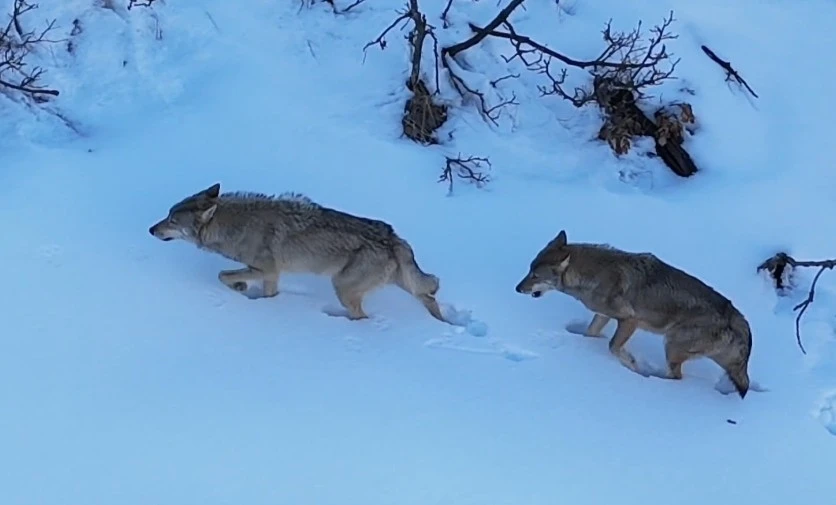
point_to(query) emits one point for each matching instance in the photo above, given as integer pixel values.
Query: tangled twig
(777, 265)
(469, 169)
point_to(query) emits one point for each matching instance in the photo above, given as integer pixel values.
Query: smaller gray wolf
(291, 233)
(639, 290)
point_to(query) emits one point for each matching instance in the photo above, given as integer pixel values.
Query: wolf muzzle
(153, 231)
(534, 294)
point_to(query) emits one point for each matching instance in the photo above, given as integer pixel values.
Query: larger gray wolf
(639, 290)
(291, 233)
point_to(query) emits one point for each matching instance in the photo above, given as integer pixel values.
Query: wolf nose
(518, 289)
(151, 230)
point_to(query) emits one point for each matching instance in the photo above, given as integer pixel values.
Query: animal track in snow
(549, 338)
(493, 347)
(464, 328)
(353, 343)
(464, 319)
(218, 297)
(826, 412)
(724, 386)
(51, 254)
(380, 323)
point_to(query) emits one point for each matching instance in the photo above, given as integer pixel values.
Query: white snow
(130, 375)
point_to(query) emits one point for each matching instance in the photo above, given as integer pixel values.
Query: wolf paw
(339, 311)
(631, 363)
(579, 327)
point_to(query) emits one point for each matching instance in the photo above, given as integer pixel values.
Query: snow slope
(130, 375)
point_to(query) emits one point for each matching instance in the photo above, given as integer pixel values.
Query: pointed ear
(207, 214)
(559, 240)
(212, 191)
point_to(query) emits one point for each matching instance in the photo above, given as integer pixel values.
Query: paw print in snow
(827, 413)
(51, 254)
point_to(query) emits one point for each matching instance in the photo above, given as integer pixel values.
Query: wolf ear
(559, 240)
(207, 214)
(212, 191)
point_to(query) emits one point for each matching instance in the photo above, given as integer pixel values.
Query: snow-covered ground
(130, 375)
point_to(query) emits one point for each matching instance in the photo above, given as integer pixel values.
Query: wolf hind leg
(676, 355)
(360, 276)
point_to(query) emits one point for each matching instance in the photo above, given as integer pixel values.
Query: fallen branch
(731, 73)
(777, 266)
(468, 169)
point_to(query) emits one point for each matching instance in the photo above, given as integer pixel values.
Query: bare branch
(481, 33)
(624, 60)
(422, 116)
(16, 44)
(351, 6)
(509, 76)
(731, 73)
(416, 37)
(445, 12)
(334, 7)
(381, 39)
(140, 3)
(490, 113)
(468, 169)
(777, 266)
(448, 59)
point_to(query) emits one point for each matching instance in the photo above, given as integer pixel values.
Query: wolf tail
(415, 281)
(738, 367)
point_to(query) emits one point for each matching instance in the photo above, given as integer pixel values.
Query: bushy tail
(740, 379)
(737, 367)
(410, 276)
(415, 281)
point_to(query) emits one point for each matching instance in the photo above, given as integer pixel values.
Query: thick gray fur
(291, 233)
(639, 290)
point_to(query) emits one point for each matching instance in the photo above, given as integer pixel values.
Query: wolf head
(186, 217)
(546, 271)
